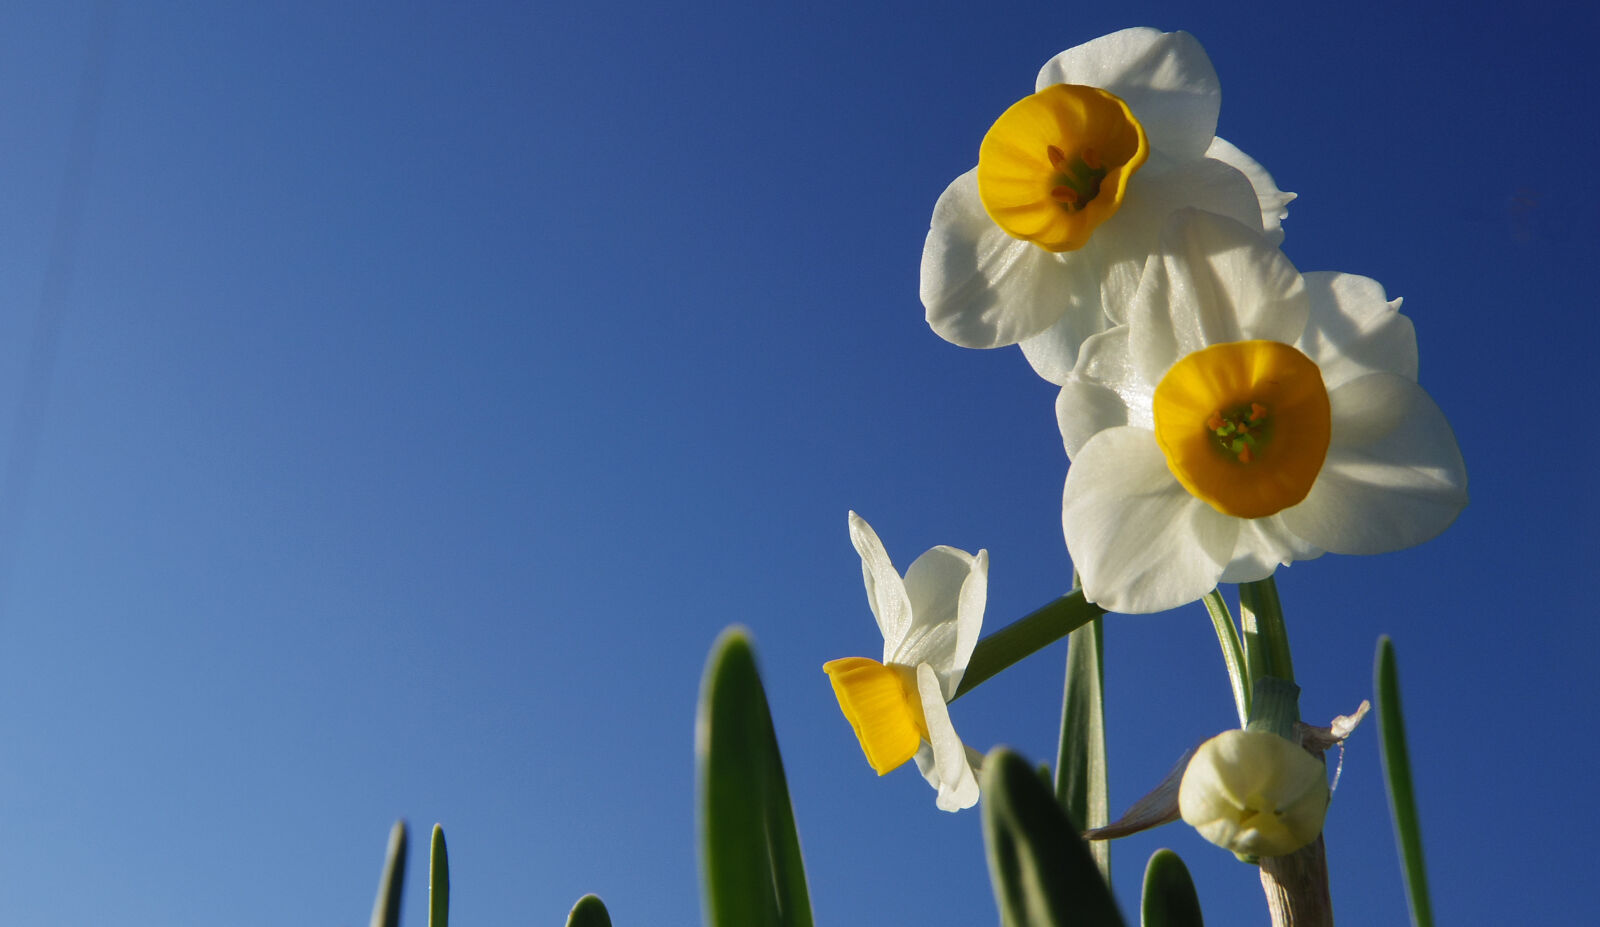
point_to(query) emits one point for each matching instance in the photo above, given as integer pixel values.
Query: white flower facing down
(1246, 417)
(930, 622)
(1254, 792)
(1082, 180)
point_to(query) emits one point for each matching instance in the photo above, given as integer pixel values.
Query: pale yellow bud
(1254, 793)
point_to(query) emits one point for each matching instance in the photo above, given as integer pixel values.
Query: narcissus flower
(930, 622)
(1246, 417)
(1046, 238)
(1254, 792)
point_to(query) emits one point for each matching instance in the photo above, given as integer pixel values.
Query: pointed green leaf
(750, 859)
(590, 911)
(1397, 773)
(1043, 873)
(1169, 896)
(438, 881)
(386, 909)
(1081, 763)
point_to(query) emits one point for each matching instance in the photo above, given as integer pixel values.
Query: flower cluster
(1223, 413)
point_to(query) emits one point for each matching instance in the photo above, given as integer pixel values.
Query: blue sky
(399, 398)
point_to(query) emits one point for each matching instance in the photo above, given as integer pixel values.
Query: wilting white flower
(930, 622)
(1246, 417)
(1254, 792)
(1046, 238)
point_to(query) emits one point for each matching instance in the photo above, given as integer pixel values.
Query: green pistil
(1076, 181)
(1241, 433)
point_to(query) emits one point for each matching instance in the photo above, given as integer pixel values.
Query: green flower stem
(1275, 707)
(1266, 641)
(1232, 652)
(1026, 636)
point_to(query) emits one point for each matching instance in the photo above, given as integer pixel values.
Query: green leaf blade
(1081, 773)
(392, 882)
(751, 867)
(1041, 868)
(1397, 777)
(590, 911)
(1169, 895)
(438, 881)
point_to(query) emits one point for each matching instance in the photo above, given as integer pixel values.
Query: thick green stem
(1026, 636)
(1266, 640)
(1275, 707)
(1296, 885)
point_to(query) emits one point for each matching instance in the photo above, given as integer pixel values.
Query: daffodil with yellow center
(1057, 164)
(1246, 417)
(930, 622)
(1043, 242)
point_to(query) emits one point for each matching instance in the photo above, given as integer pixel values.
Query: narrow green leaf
(1232, 652)
(750, 858)
(1397, 773)
(1169, 896)
(1043, 873)
(386, 909)
(590, 911)
(1026, 636)
(438, 881)
(1081, 785)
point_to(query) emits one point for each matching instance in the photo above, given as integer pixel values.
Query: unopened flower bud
(1254, 793)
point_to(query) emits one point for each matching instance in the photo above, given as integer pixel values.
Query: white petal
(984, 289)
(1394, 476)
(943, 760)
(1140, 542)
(1053, 352)
(886, 592)
(1105, 390)
(1085, 409)
(1105, 359)
(1164, 77)
(1124, 243)
(1355, 329)
(948, 589)
(1274, 203)
(1217, 281)
(1264, 544)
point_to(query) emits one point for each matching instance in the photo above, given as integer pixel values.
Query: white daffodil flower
(1246, 417)
(930, 622)
(1044, 241)
(1254, 792)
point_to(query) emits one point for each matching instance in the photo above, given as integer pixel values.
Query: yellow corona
(1056, 164)
(1244, 425)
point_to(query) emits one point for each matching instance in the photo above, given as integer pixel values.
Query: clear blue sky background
(398, 398)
